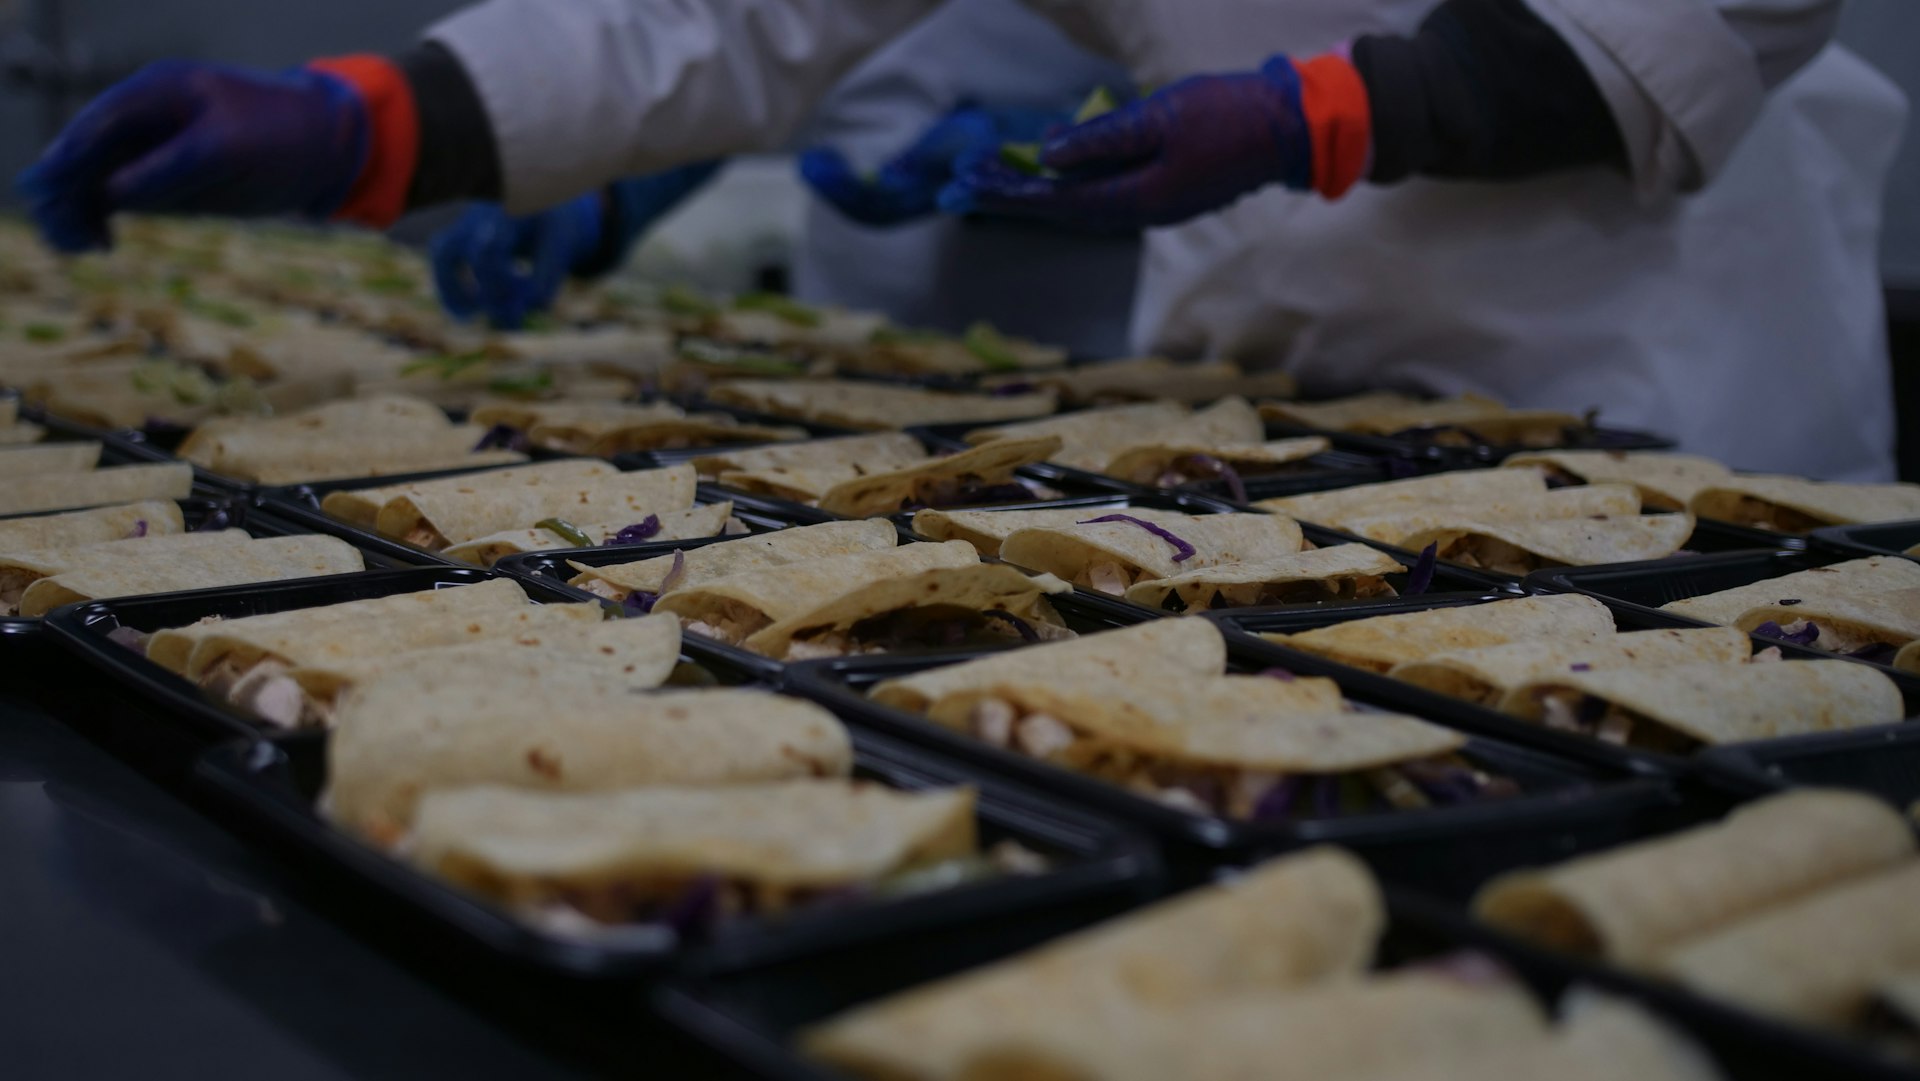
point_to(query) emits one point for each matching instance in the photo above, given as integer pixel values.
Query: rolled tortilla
(1342, 572)
(272, 559)
(1820, 959)
(1719, 703)
(1381, 642)
(986, 530)
(114, 484)
(1854, 577)
(852, 404)
(1796, 505)
(712, 562)
(1400, 524)
(477, 508)
(1486, 675)
(1171, 651)
(362, 506)
(690, 524)
(1112, 556)
(1306, 919)
(1848, 623)
(845, 454)
(1148, 463)
(602, 851)
(1463, 488)
(603, 429)
(95, 526)
(1636, 902)
(20, 568)
(1665, 481)
(1382, 410)
(1523, 547)
(753, 599)
(967, 590)
(291, 456)
(558, 728)
(1096, 439)
(38, 458)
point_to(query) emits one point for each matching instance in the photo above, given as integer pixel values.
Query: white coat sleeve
(1686, 78)
(581, 92)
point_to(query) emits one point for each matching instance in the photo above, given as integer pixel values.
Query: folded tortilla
(1849, 623)
(1305, 919)
(21, 567)
(114, 484)
(1635, 903)
(1170, 651)
(1151, 437)
(1523, 547)
(986, 530)
(712, 562)
(1166, 464)
(1399, 525)
(852, 404)
(604, 429)
(1485, 676)
(1796, 505)
(690, 524)
(603, 852)
(761, 596)
(1476, 418)
(1113, 556)
(437, 518)
(1343, 572)
(1833, 584)
(1604, 1039)
(29, 460)
(1908, 659)
(261, 455)
(1817, 959)
(864, 488)
(172, 648)
(19, 432)
(1101, 431)
(916, 353)
(1443, 490)
(631, 350)
(1382, 642)
(557, 728)
(1155, 379)
(847, 454)
(362, 506)
(272, 559)
(1665, 481)
(96, 526)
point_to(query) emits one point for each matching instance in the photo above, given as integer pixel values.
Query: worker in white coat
(1486, 235)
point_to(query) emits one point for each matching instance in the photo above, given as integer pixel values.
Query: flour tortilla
(690, 524)
(741, 555)
(1145, 464)
(33, 459)
(1340, 572)
(533, 725)
(1137, 438)
(1794, 504)
(1604, 1039)
(1485, 676)
(785, 591)
(966, 588)
(851, 404)
(1636, 902)
(114, 484)
(603, 429)
(262, 455)
(477, 508)
(96, 526)
(1665, 481)
(885, 493)
(1399, 525)
(270, 560)
(1154, 379)
(1341, 414)
(362, 506)
(529, 847)
(20, 566)
(1837, 582)
(1818, 959)
(845, 454)
(1217, 539)
(172, 648)
(1847, 623)
(1468, 486)
(1091, 434)
(380, 413)
(1304, 920)
(18, 433)
(1172, 651)
(986, 530)
(1516, 547)
(1718, 703)
(1381, 642)
(1908, 659)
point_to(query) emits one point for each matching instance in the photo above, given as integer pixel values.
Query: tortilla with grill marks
(1381, 642)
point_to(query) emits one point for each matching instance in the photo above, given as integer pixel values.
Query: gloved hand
(200, 138)
(908, 186)
(477, 261)
(1191, 148)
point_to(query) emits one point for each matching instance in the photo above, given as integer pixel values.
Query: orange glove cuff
(379, 194)
(1334, 99)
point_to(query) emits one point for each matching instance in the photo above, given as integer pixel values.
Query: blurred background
(737, 234)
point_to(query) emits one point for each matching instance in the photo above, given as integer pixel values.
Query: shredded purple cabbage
(674, 572)
(139, 528)
(218, 518)
(696, 910)
(1581, 667)
(1805, 636)
(1182, 551)
(502, 437)
(1281, 674)
(634, 534)
(1009, 390)
(1420, 578)
(1277, 802)
(1236, 487)
(1025, 629)
(639, 602)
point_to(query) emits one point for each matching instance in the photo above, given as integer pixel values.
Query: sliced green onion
(565, 530)
(991, 347)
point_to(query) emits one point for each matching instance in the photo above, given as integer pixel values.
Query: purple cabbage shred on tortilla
(1277, 802)
(1281, 674)
(1182, 551)
(1236, 487)
(1581, 667)
(1420, 578)
(697, 910)
(139, 528)
(218, 518)
(639, 602)
(646, 529)
(502, 437)
(674, 572)
(1805, 636)
(1025, 629)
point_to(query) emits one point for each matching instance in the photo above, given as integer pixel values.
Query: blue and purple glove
(189, 138)
(507, 268)
(1189, 149)
(908, 187)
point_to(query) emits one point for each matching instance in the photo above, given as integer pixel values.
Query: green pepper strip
(565, 530)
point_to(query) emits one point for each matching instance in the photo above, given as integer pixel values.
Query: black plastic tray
(1406, 446)
(1083, 611)
(300, 504)
(1877, 539)
(1245, 624)
(270, 787)
(1559, 794)
(1883, 760)
(1641, 588)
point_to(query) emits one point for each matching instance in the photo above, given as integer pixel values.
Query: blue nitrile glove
(1189, 149)
(908, 186)
(182, 137)
(489, 262)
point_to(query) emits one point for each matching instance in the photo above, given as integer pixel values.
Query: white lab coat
(1744, 318)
